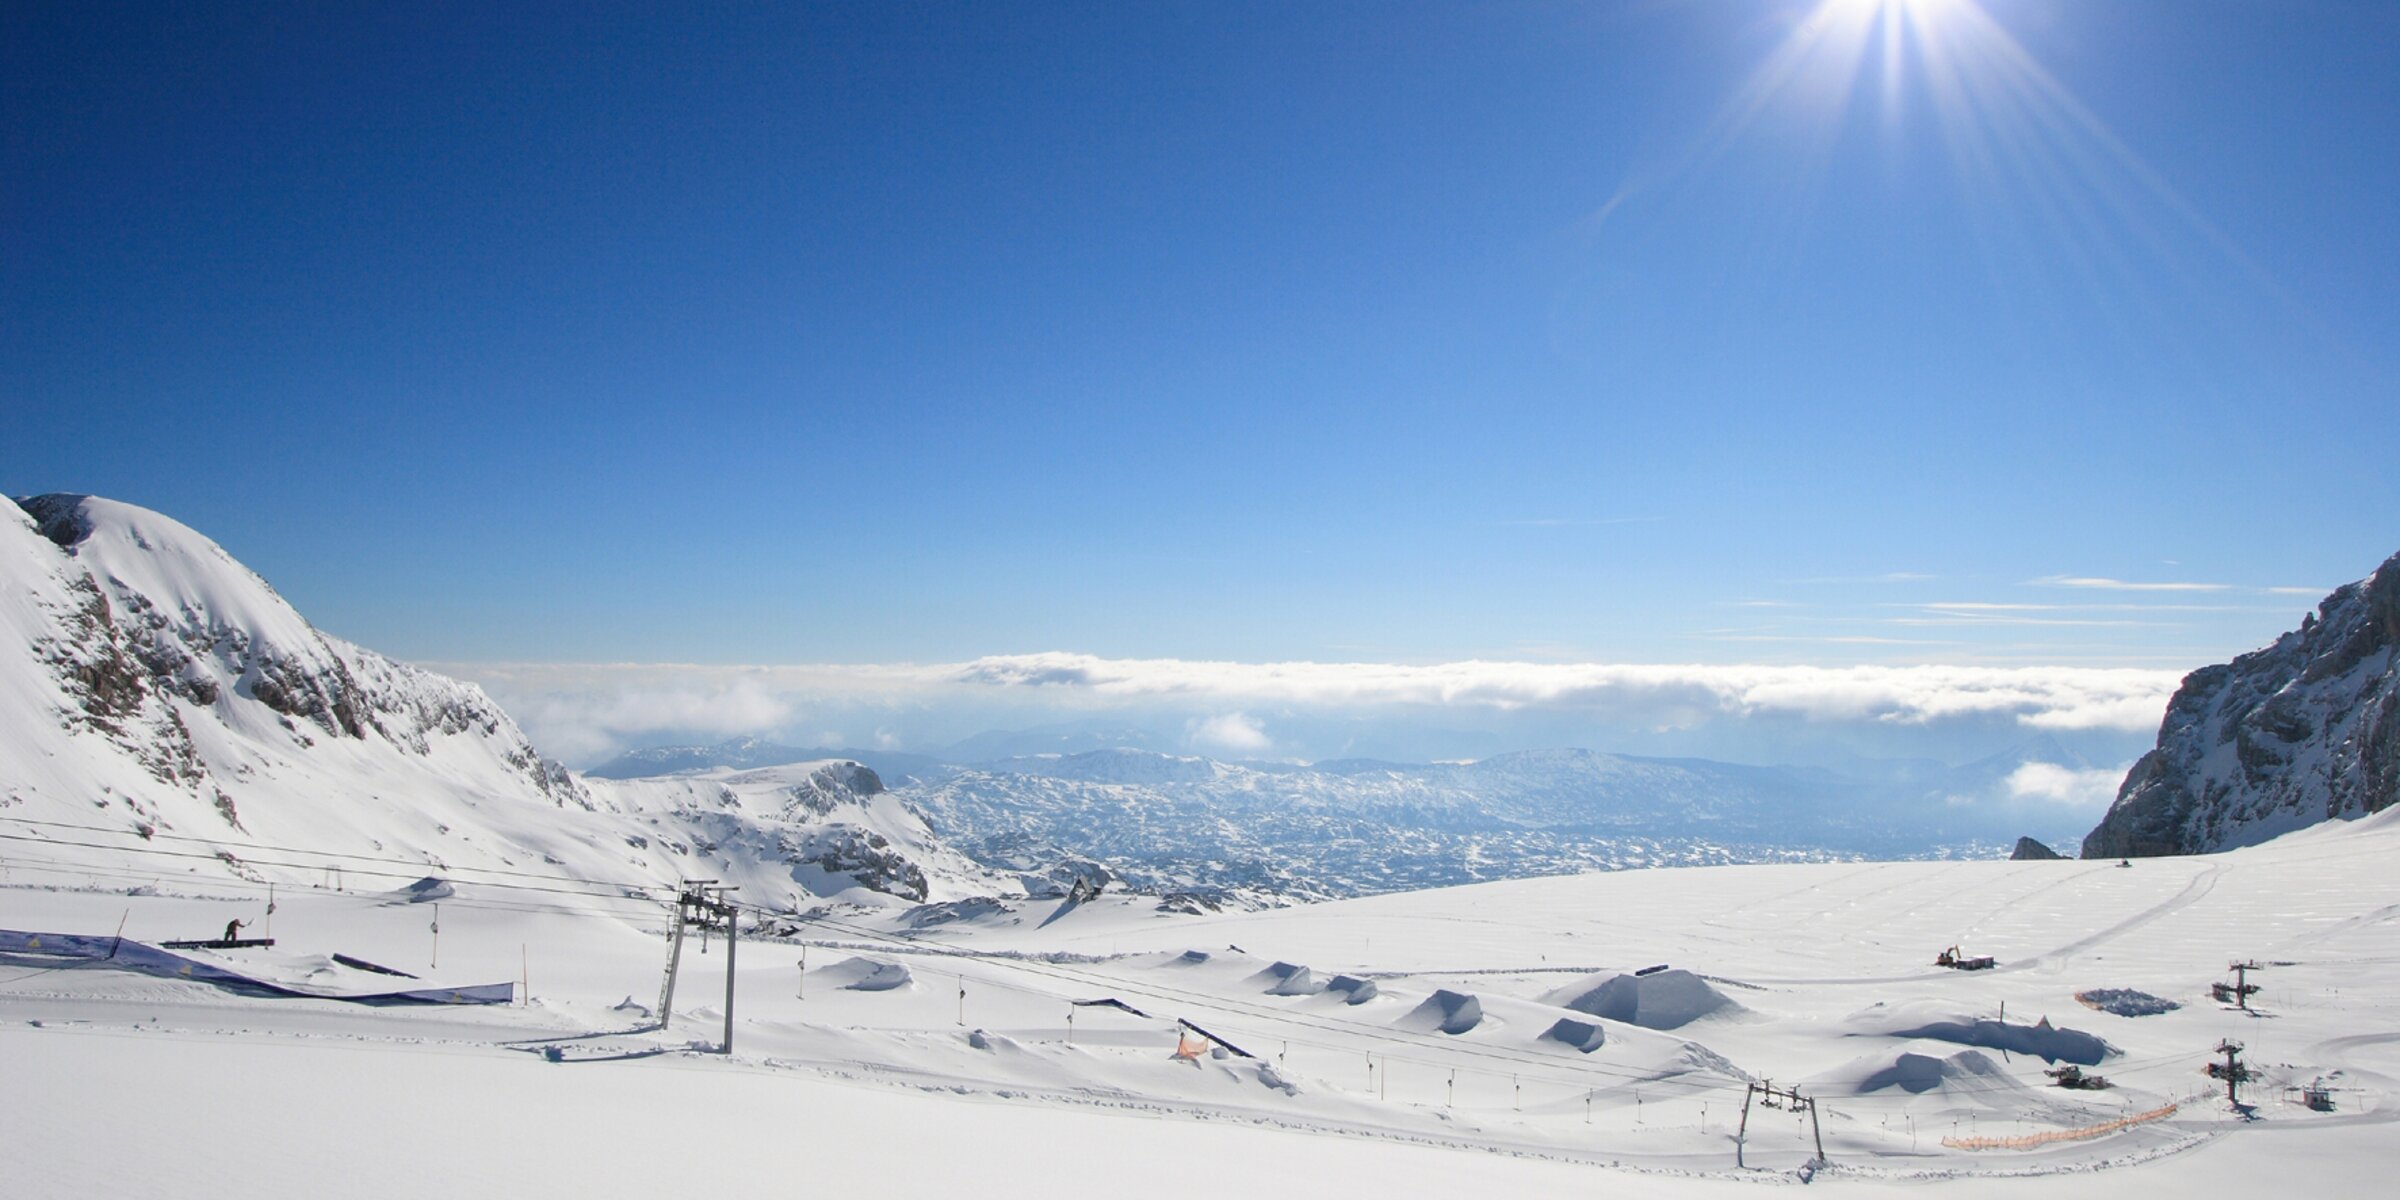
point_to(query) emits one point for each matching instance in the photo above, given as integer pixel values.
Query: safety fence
(2031, 1140)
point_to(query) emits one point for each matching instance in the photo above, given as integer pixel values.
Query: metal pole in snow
(666, 994)
(733, 924)
(437, 934)
(1742, 1131)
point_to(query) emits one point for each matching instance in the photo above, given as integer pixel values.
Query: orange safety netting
(2031, 1140)
(1187, 1047)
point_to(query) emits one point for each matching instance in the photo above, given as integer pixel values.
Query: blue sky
(1717, 332)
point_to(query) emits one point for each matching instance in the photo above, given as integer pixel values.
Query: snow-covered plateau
(1492, 1039)
(441, 959)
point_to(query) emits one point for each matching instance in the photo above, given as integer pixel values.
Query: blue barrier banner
(101, 952)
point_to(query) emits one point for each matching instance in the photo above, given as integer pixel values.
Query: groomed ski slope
(132, 1084)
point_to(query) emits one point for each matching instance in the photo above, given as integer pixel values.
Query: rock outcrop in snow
(2032, 850)
(2306, 730)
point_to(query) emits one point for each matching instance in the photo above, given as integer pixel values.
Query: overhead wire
(413, 864)
(255, 885)
(162, 852)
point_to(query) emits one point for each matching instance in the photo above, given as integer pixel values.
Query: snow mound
(1352, 989)
(1586, 1036)
(1273, 1078)
(1445, 1011)
(1659, 1000)
(862, 974)
(2126, 1002)
(427, 889)
(1287, 979)
(2042, 1040)
(1918, 1074)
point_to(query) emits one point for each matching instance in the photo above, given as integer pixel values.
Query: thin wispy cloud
(1886, 577)
(2006, 618)
(2100, 583)
(1830, 639)
(1974, 606)
(1569, 522)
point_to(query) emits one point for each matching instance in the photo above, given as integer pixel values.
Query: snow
(1832, 964)
(1471, 1041)
(1659, 1000)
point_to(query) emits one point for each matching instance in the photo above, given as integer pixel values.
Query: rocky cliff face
(2304, 731)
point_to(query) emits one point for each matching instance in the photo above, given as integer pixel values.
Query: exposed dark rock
(2303, 731)
(864, 855)
(2029, 850)
(59, 516)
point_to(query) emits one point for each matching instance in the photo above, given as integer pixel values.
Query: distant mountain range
(1167, 822)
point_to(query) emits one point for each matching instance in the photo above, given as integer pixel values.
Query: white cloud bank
(582, 712)
(2123, 698)
(2065, 785)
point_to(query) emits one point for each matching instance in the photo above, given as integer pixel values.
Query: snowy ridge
(166, 692)
(2303, 731)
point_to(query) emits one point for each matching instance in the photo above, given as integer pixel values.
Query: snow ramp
(1445, 1011)
(1287, 979)
(863, 974)
(1658, 1000)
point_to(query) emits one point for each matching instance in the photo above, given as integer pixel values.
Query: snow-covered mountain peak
(172, 568)
(161, 688)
